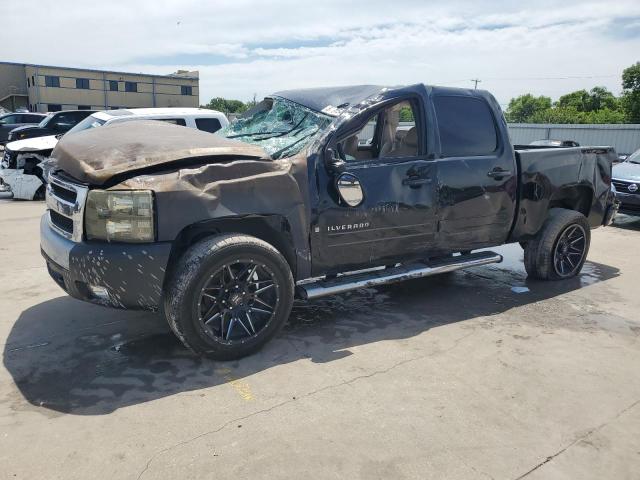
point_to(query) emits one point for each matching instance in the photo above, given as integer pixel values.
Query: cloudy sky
(244, 47)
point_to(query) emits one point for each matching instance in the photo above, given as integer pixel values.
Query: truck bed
(576, 177)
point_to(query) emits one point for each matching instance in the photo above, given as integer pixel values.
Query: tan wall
(12, 80)
(99, 95)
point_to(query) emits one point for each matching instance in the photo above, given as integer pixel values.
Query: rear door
(396, 218)
(477, 176)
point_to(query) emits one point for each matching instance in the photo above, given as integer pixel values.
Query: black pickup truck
(312, 192)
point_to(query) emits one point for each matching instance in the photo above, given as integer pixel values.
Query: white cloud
(243, 47)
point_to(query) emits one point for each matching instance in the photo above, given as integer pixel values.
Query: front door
(396, 218)
(477, 176)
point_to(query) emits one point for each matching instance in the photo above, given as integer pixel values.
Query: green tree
(406, 114)
(521, 109)
(578, 100)
(631, 92)
(600, 98)
(573, 115)
(583, 101)
(225, 105)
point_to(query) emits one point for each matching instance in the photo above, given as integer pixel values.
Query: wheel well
(273, 229)
(578, 198)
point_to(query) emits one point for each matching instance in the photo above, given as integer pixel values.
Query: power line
(566, 77)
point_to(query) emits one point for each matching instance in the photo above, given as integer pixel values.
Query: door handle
(498, 173)
(415, 181)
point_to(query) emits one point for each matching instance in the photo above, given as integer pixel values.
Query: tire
(553, 256)
(222, 318)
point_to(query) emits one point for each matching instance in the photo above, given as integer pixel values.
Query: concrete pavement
(455, 377)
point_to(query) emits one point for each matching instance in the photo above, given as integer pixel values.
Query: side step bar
(344, 283)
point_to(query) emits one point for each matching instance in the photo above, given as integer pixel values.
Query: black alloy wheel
(569, 251)
(238, 301)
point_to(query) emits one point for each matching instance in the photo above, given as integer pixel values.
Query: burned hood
(96, 155)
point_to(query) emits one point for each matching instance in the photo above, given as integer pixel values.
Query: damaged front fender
(235, 189)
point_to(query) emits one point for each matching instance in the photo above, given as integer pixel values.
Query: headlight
(120, 216)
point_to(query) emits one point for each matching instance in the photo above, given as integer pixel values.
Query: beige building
(41, 88)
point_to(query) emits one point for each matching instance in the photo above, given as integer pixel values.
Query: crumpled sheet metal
(98, 154)
(230, 190)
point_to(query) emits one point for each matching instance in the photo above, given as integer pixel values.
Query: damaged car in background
(25, 164)
(221, 232)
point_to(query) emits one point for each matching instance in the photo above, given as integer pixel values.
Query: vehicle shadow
(66, 356)
(626, 222)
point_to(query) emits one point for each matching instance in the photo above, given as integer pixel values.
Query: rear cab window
(466, 126)
(210, 125)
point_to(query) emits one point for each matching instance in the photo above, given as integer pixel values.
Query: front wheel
(560, 249)
(228, 296)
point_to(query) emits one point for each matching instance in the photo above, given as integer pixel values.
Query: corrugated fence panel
(625, 138)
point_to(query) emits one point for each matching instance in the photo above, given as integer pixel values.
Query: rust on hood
(96, 155)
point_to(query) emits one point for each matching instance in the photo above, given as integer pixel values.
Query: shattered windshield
(90, 122)
(281, 127)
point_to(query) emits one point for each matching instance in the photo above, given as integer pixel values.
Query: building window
(82, 83)
(28, 83)
(186, 90)
(84, 107)
(130, 87)
(50, 81)
(113, 85)
(33, 80)
(54, 107)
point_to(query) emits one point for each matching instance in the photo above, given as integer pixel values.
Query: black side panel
(558, 177)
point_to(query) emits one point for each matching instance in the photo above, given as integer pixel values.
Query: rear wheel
(229, 296)
(560, 249)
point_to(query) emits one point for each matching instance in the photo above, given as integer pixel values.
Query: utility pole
(476, 81)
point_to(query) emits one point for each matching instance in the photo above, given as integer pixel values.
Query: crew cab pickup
(312, 192)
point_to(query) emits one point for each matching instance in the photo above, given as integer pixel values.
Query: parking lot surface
(471, 375)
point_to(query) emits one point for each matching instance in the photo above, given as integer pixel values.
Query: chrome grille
(65, 202)
(626, 186)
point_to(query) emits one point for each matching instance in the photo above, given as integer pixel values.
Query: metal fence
(625, 138)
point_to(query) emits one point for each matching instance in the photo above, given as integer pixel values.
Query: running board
(344, 283)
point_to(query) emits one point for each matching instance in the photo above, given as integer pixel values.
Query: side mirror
(350, 190)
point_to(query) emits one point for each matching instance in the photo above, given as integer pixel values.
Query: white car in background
(25, 163)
